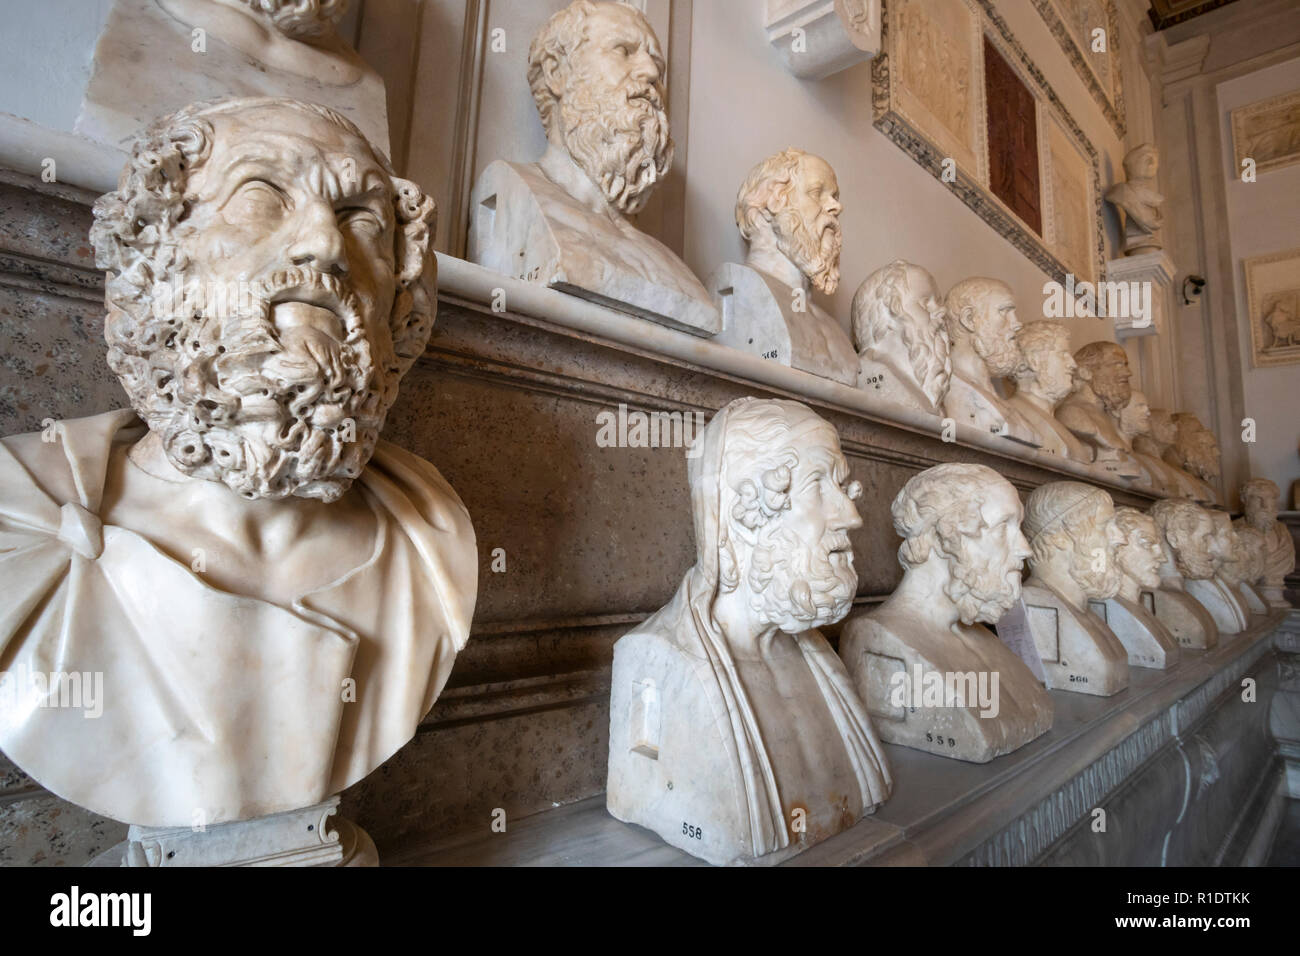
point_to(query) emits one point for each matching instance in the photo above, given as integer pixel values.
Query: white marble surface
(932, 675)
(735, 732)
(1138, 201)
(1130, 614)
(1102, 388)
(899, 330)
(259, 502)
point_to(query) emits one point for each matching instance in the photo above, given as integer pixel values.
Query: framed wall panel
(1073, 23)
(1273, 298)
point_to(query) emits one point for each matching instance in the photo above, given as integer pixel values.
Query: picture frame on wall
(1267, 132)
(1094, 56)
(1273, 303)
(955, 90)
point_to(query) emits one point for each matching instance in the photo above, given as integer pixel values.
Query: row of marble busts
(597, 75)
(740, 736)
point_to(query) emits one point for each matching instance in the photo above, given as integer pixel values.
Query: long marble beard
(930, 356)
(798, 588)
(1194, 563)
(981, 592)
(816, 255)
(1001, 356)
(625, 149)
(272, 413)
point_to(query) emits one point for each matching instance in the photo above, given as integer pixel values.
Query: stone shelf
(1034, 805)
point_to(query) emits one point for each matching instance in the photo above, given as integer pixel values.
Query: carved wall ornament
(1074, 24)
(1273, 300)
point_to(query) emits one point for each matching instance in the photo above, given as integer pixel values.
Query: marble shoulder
(49, 464)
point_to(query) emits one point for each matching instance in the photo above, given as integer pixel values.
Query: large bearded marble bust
(273, 594)
(1103, 386)
(1073, 539)
(904, 356)
(961, 554)
(1259, 501)
(982, 326)
(1043, 379)
(788, 211)
(597, 74)
(1187, 538)
(735, 731)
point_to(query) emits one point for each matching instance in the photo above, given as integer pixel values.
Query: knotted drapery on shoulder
(213, 706)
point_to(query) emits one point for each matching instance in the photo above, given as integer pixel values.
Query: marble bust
(1196, 451)
(145, 63)
(1072, 540)
(597, 75)
(1134, 420)
(273, 594)
(735, 732)
(1245, 565)
(1259, 501)
(788, 211)
(1186, 539)
(902, 341)
(1043, 379)
(1101, 390)
(1138, 201)
(1155, 443)
(982, 327)
(1130, 614)
(961, 554)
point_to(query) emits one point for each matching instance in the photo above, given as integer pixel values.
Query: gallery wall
(1263, 218)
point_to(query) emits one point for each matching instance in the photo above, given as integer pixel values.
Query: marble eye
(256, 199)
(361, 220)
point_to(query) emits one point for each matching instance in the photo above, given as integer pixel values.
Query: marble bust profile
(1245, 565)
(273, 594)
(1259, 501)
(145, 63)
(982, 327)
(1135, 420)
(1103, 386)
(1196, 451)
(788, 212)
(1130, 614)
(1073, 539)
(899, 331)
(597, 75)
(1187, 539)
(1155, 442)
(735, 731)
(1043, 379)
(961, 554)
(1138, 201)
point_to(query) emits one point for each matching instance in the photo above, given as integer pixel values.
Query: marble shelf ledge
(943, 811)
(477, 287)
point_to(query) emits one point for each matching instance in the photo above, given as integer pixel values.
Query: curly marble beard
(1098, 585)
(798, 588)
(1000, 355)
(816, 255)
(301, 19)
(625, 148)
(266, 411)
(1194, 563)
(980, 591)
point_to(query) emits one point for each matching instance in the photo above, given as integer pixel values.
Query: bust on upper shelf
(1101, 390)
(597, 75)
(788, 211)
(1138, 201)
(1044, 378)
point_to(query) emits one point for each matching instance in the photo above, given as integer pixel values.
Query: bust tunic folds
(213, 702)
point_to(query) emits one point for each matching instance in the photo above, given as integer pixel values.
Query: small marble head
(1135, 416)
(267, 290)
(1139, 554)
(1070, 532)
(1189, 532)
(1247, 562)
(1163, 430)
(982, 312)
(1195, 446)
(791, 201)
(1104, 366)
(968, 517)
(898, 318)
(1259, 500)
(1141, 162)
(1046, 368)
(786, 509)
(597, 75)
(305, 20)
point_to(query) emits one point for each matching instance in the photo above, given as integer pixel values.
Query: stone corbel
(1153, 267)
(821, 37)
